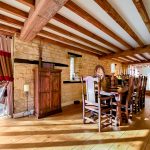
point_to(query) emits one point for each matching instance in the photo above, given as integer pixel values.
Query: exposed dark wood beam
(72, 35)
(39, 17)
(17, 31)
(23, 14)
(115, 15)
(82, 13)
(55, 28)
(9, 29)
(12, 10)
(20, 24)
(131, 52)
(143, 57)
(68, 41)
(44, 39)
(6, 33)
(142, 11)
(30, 3)
(137, 62)
(129, 58)
(75, 26)
(11, 21)
(136, 57)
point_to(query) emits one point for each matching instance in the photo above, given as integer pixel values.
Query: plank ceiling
(115, 29)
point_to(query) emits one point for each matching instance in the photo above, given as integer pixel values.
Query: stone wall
(23, 73)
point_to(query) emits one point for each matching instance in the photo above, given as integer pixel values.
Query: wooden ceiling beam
(137, 62)
(143, 57)
(66, 46)
(39, 17)
(11, 21)
(136, 57)
(12, 10)
(142, 11)
(68, 41)
(129, 58)
(104, 4)
(53, 27)
(131, 52)
(82, 13)
(72, 35)
(6, 33)
(75, 26)
(17, 31)
(63, 39)
(30, 3)
(9, 29)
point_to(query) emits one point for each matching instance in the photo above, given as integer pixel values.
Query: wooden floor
(66, 131)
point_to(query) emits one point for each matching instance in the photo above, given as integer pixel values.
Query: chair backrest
(131, 88)
(144, 84)
(90, 88)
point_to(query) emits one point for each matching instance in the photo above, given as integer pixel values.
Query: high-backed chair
(137, 95)
(142, 100)
(126, 100)
(96, 109)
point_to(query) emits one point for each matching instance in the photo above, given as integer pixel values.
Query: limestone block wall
(23, 73)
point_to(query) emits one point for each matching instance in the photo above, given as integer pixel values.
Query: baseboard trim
(23, 114)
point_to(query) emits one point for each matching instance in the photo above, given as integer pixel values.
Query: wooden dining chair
(96, 109)
(142, 100)
(137, 95)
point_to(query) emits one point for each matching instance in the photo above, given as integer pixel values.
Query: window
(72, 68)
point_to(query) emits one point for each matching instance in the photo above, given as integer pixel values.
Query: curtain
(6, 72)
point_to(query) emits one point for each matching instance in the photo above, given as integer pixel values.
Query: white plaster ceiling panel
(99, 14)
(16, 4)
(147, 6)
(11, 16)
(128, 11)
(70, 38)
(63, 26)
(85, 24)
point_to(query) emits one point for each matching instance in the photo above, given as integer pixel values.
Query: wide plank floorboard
(65, 131)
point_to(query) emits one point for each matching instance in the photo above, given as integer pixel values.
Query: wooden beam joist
(44, 39)
(131, 52)
(7, 8)
(75, 26)
(39, 17)
(17, 31)
(53, 27)
(6, 33)
(11, 21)
(142, 11)
(9, 29)
(137, 62)
(72, 35)
(82, 13)
(64, 20)
(63, 39)
(104, 4)
(68, 41)
(30, 3)
(144, 57)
